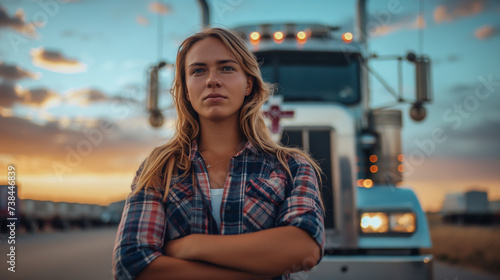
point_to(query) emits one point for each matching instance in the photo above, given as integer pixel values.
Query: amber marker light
(347, 37)
(301, 35)
(254, 38)
(401, 157)
(401, 168)
(360, 183)
(373, 169)
(278, 36)
(255, 35)
(373, 158)
(368, 183)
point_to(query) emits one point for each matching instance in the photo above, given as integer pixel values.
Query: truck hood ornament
(275, 114)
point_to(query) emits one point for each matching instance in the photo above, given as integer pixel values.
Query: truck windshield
(312, 76)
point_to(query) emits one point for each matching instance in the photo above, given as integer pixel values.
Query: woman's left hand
(180, 248)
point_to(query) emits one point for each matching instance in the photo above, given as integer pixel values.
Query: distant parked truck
(471, 207)
(8, 206)
(36, 215)
(71, 214)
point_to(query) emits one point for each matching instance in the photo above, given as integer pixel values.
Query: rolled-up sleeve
(302, 207)
(141, 232)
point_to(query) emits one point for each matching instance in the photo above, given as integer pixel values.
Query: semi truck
(375, 227)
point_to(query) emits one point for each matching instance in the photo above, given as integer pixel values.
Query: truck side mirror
(423, 79)
(156, 117)
(423, 85)
(152, 103)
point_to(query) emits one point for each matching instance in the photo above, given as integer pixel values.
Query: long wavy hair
(174, 156)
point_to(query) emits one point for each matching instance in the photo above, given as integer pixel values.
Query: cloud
(9, 95)
(84, 97)
(47, 134)
(121, 99)
(461, 90)
(14, 94)
(21, 140)
(479, 141)
(18, 23)
(56, 62)
(142, 20)
(485, 32)
(451, 10)
(87, 96)
(13, 73)
(484, 132)
(468, 124)
(40, 97)
(159, 8)
(383, 24)
(98, 146)
(408, 22)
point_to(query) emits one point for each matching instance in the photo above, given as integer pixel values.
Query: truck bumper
(371, 267)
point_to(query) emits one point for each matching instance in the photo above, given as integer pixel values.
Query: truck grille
(318, 142)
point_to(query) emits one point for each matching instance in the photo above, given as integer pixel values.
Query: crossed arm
(257, 255)
(263, 254)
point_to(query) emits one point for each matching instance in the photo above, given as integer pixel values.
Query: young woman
(220, 200)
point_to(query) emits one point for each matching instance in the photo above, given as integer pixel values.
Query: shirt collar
(195, 153)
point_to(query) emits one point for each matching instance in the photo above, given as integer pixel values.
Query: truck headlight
(374, 222)
(381, 222)
(402, 222)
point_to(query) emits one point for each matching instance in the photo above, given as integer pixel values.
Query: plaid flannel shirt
(259, 194)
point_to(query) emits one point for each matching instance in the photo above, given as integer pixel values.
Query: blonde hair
(175, 154)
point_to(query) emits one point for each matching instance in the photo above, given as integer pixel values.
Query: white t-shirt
(216, 197)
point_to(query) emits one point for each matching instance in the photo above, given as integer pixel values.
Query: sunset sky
(73, 79)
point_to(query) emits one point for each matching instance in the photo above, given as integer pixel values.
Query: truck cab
(375, 228)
